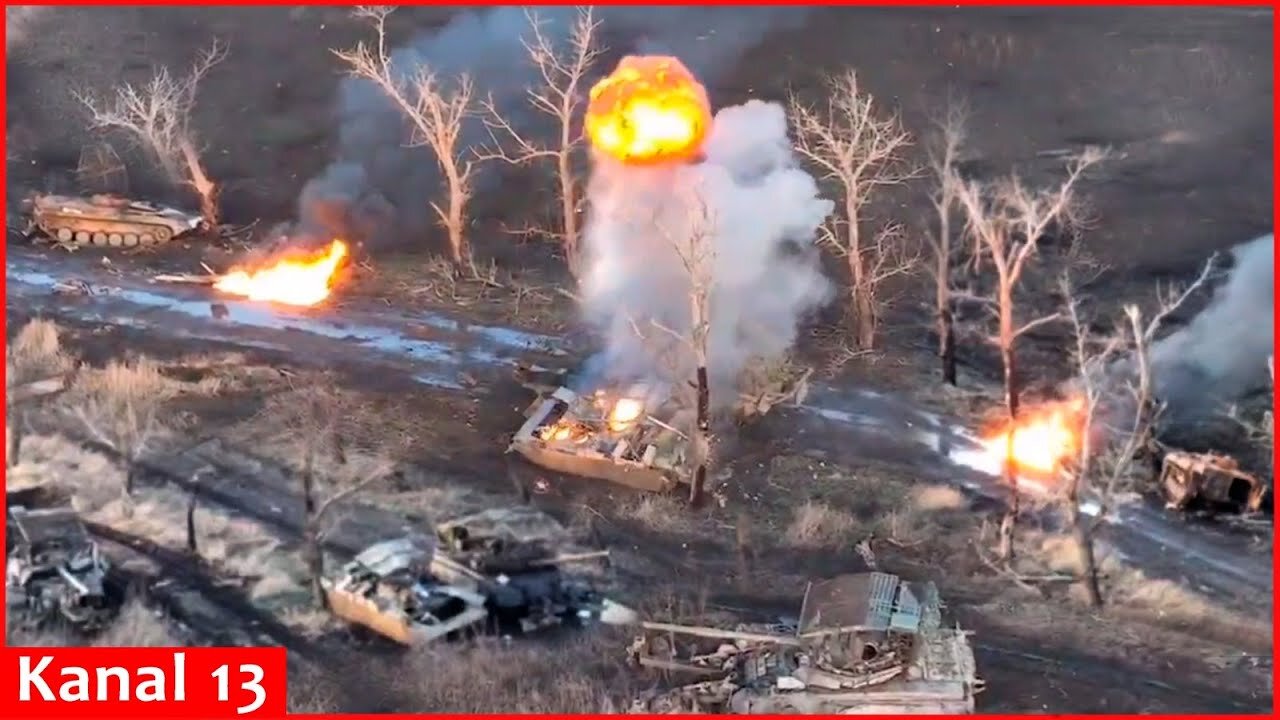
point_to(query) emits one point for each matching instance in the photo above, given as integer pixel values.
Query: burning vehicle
(1210, 481)
(55, 570)
(633, 437)
(867, 643)
(109, 220)
(501, 569)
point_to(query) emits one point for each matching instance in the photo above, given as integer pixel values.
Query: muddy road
(446, 354)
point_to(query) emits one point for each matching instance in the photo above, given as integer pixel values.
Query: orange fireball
(302, 280)
(650, 110)
(1045, 438)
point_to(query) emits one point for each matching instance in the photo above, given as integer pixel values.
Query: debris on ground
(503, 569)
(867, 643)
(55, 571)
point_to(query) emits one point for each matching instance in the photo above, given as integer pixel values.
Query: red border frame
(953, 4)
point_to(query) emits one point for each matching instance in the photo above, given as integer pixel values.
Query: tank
(55, 570)
(866, 643)
(1209, 481)
(502, 569)
(109, 220)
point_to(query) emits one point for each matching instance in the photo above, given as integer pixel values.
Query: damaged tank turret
(864, 644)
(502, 569)
(109, 220)
(55, 570)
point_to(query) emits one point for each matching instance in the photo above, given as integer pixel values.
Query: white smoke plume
(765, 273)
(1221, 355)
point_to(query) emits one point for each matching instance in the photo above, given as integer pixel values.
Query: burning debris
(501, 569)
(865, 644)
(55, 571)
(296, 279)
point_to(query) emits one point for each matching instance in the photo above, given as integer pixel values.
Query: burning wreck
(1210, 481)
(502, 569)
(865, 644)
(55, 570)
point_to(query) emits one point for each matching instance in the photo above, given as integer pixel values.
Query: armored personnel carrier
(865, 644)
(109, 220)
(501, 569)
(55, 570)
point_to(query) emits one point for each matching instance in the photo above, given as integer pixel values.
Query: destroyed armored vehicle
(388, 588)
(519, 558)
(1209, 481)
(109, 220)
(864, 644)
(55, 570)
(498, 570)
(635, 436)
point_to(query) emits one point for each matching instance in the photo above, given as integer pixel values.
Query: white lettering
(28, 678)
(152, 688)
(81, 681)
(105, 674)
(179, 677)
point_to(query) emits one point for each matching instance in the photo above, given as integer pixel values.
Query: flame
(292, 281)
(564, 430)
(625, 412)
(1044, 438)
(650, 110)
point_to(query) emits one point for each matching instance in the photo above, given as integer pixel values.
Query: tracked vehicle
(864, 644)
(109, 220)
(502, 569)
(55, 571)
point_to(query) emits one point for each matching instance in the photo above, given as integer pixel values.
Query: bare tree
(437, 115)
(158, 116)
(858, 152)
(318, 421)
(1007, 220)
(944, 154)
(35, 366)
(119, 406)
(693, 247)
(559, 96)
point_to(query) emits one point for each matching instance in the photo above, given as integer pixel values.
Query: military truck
(109, 220)
(55, 571)
(1210, 481)
(866, 643)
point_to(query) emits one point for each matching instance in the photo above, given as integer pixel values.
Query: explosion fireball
(291, 281)
(1044, 438)
(650, 110)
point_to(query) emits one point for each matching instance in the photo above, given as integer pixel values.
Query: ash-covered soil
(1183, 96)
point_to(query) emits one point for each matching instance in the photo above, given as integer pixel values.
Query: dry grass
(36, 352)
(665, 514)
(816, 524)
(934, 498)
(138, 626)
(583, 674)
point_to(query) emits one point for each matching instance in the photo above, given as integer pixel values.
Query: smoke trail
(765, 272)
(378, 190)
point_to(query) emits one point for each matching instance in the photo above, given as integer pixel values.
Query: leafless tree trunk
(943, 156)
(559, 95)
(119, 406)
(437, 115)
(858, 152)
(158, 116)
(1007, 220)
